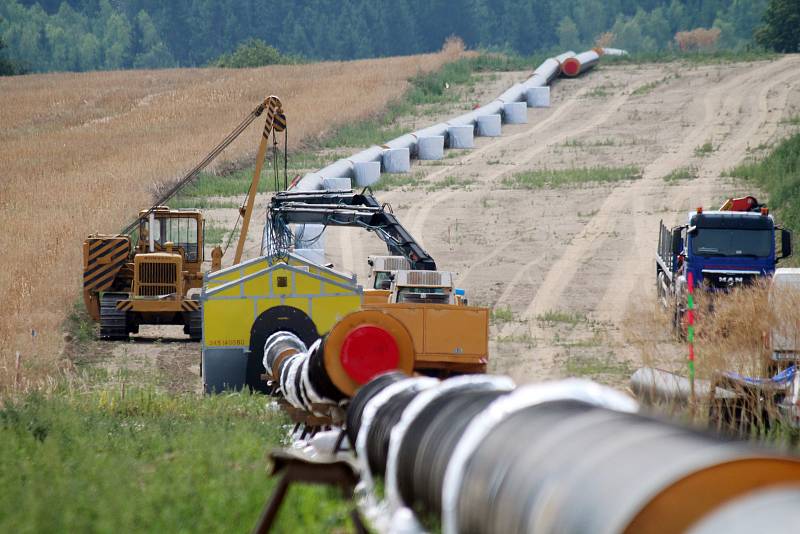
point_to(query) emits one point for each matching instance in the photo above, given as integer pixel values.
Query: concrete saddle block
(461, 136)
(515, 112)
(337, 184)
(430, 147)
(396, 160)
(489, 125)
(367, 172)
(538, 97)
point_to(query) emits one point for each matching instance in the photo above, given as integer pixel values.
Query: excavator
(146, 274)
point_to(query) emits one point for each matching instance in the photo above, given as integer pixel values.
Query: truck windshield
(383, 280)
(732, 242)
(182, 231)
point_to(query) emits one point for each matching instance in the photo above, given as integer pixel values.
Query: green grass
(592, 366)
(695, 58)
(564, 177)
(79, 325)
(146, 462)
(501, 315)
(646, 88)
(450, 182)
(562, 317)
(794, 120)
(681, 173)
(779, 175)
(397, 181)
(215, 235)
(704, 150)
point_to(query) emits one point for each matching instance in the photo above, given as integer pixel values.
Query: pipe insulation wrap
(420, 403)
(483, 424)
(368, 415)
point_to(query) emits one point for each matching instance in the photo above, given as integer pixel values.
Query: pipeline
(314, 379)
(570, 456)
(577, 65)
(429, 143)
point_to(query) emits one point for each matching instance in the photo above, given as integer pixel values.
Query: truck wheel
(113, 323)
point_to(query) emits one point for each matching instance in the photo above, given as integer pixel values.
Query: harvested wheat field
(83, 153)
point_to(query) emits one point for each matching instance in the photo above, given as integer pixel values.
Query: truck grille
(157, 279)
(424, 278)
(425, 298)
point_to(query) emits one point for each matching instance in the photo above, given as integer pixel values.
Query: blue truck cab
(721, 249)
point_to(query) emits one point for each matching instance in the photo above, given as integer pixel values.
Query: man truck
(718, 250)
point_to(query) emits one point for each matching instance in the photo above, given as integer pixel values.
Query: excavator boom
(345, 209)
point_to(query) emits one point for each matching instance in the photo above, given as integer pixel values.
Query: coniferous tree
(781, 28)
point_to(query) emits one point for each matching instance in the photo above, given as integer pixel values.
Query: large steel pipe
(577, 65)
(569, 457)
(359, 347)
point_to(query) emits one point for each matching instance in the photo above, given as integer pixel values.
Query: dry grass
(82, 153)
(734, 332)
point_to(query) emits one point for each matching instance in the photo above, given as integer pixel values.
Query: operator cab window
(182, 231)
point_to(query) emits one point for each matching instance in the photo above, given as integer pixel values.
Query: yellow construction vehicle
(426, 317)
(145, 274)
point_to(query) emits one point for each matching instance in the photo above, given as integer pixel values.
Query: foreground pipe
(570, 456)
(359, 347)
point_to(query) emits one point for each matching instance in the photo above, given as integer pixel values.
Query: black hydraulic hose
(355, 410)
(380, 430)
(428, 443)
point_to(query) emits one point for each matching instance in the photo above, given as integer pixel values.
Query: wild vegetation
(47, 35)
(562, 177)
(83, 152)
(137, 460)
(779, 175)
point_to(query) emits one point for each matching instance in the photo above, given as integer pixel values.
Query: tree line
(77, 35)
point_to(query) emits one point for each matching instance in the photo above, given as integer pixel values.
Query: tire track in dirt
(586, 243)
(525, 156)
(420, 213)
(753, 128)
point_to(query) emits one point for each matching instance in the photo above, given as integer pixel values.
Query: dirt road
(564, 268)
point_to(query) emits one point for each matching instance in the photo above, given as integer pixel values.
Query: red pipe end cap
(368, 351)
(571, 67)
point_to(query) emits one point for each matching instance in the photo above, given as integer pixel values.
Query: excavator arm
(344, 209)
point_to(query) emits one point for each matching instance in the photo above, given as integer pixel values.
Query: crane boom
(195, 171)
(276, 122)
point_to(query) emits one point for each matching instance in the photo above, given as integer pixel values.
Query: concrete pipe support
(397, 160)
(367, 172)
(515, 113)
(489, 125)
(460, 136)
(538, 97)
(430, 147)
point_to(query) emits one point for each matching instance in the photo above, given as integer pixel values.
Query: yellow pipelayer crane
(144, 274)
